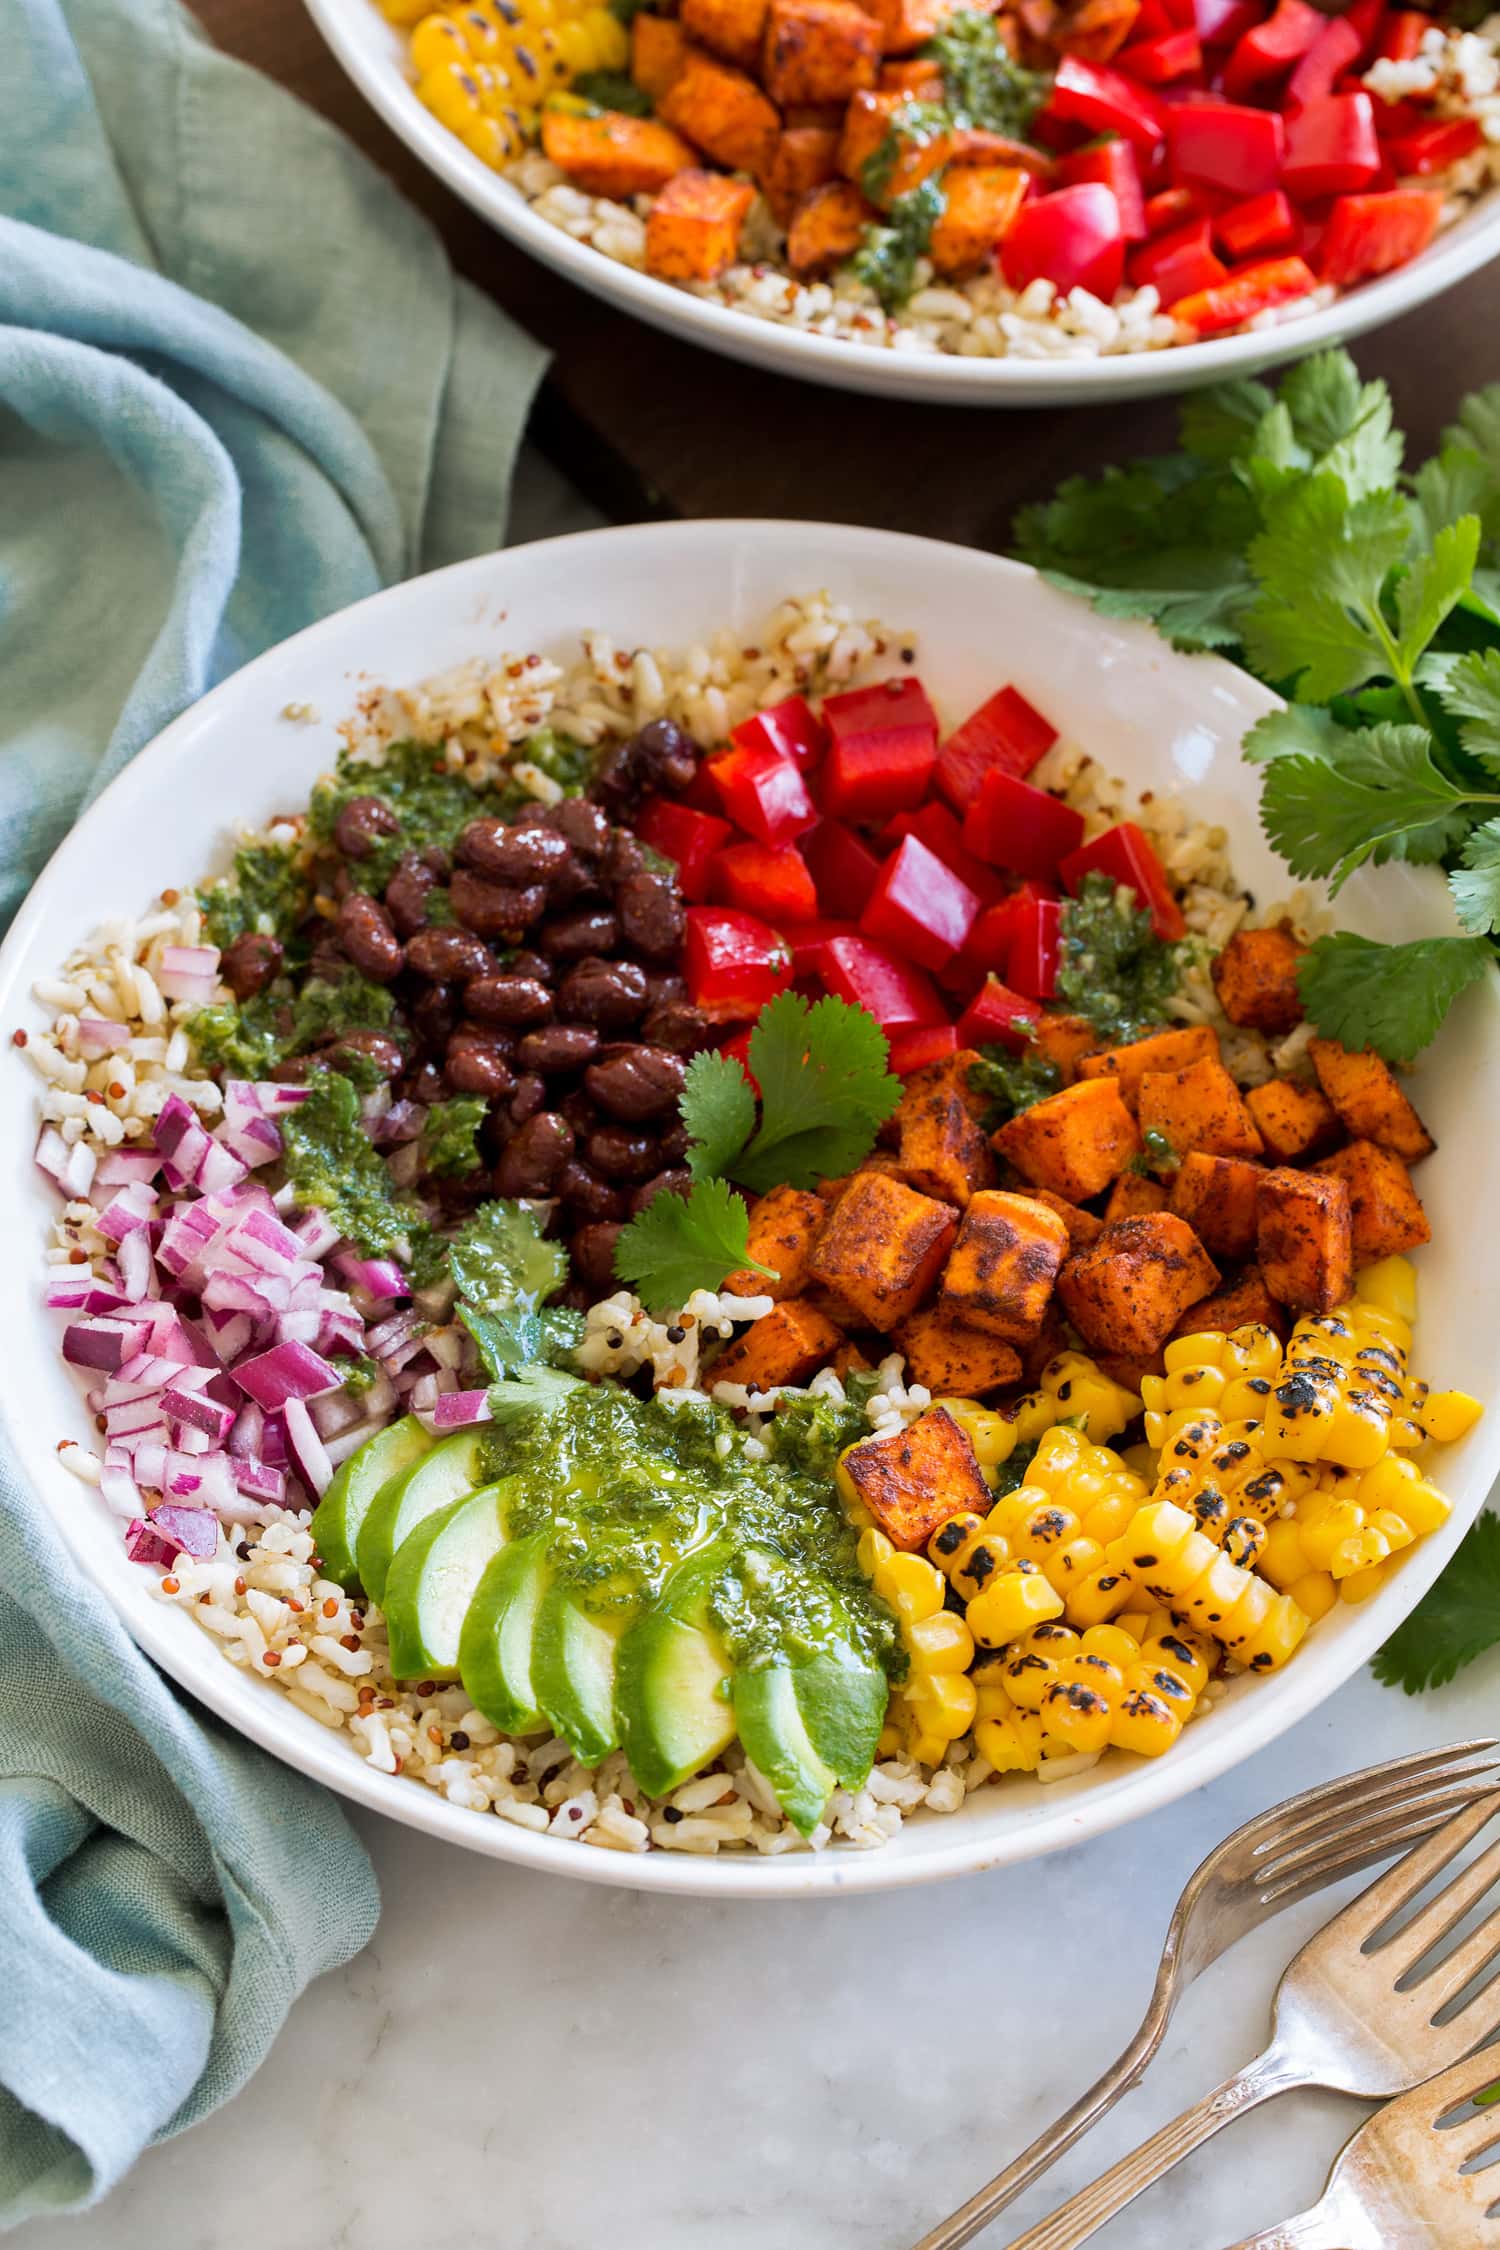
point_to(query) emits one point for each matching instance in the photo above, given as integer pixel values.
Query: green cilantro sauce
(248, 1038)
(331, 1161)
(450, 1144)
(1115, 971)
(433, 804)
(266, 892)
(1013, 1082)
(983, 83)
(886, 260)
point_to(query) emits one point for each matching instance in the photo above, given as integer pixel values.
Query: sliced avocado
(843, 1699)
(811, 1726)
(673, 1681)
(573, 1672)
(342, 1510)
(453, 1468)
(432, 1580)
(495, 1642)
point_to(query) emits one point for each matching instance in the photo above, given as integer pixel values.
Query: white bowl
(1165, 721)
(372, 51)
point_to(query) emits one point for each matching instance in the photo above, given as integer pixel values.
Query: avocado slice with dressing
(340, 1514)
(674, 1680)
(451, 1470)
(573, 1672)
(495, 1643)
(433, 1578)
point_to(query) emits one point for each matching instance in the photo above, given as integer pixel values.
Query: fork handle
(1083, 2214)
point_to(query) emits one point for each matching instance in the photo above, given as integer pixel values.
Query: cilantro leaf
(1478, 425)
(1476, 885)
(510, 1341)
(1346, 425)
(1321, 564)
(1455, 1621)
(450, 1137)
(1389, 997)
(680, 1243)
(499, 1259)
(1374, 792)
(1435, 582)
(824, 1092)
(533, 1389)
(1471, 690)
(1219, 424)
(1456, 482)
(1302, 730)
(718, 1109)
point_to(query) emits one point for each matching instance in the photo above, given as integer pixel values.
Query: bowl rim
(1202, 1756)
(940, 378)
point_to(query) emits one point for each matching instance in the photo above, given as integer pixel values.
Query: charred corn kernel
(993, 1436)
(1145, 1724)
(437, 40)
(499, 59)
(1179, 1565)
(1078, 1712)
(1361, 1584)
(1033, 1415)
(1019, 1598)
(1391, 1285)
(912, 1585)
(942, 1643)
(931, 1711)
(1187, 1655)
(404, 11)
(1085, 1394)
(452, 92)
(1448, 1415)
(1315, 1593)
(1096, 1598)
(1116, 1647)
(1244, 1540)
(873, 1551)
(1036, 1662)
(1011, 1740)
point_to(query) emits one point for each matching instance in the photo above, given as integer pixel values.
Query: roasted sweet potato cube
(658, 45)
(1385, 1211)
(953, 1359)
(1083, 1226)
(942, 1148)
(1371, 1105)
(819, 51)
(1039, 1350)
(867, 124)
(722, 112)
(731, 28)
(806, 156)
(849, 1360)
(1256, 979)
(1216, 1195)
(1098, 29)
(1197, 1108)
(951, 1074)
(980, 202)
(1292, 1118)
(788, 1345)
(783, 1227)
(1133, 1196)
(1304, 1245)
(916, 1479)
(1127, 1292)
(881, 1248)
(879, 1160)
(611, 154)
(1239, 1304)
(1074, 1142)
(906, 24)
(1003, 1265)
(1162, 1050)
(1064, 1040)
(693, 229)
(921, 81)
(826, 227)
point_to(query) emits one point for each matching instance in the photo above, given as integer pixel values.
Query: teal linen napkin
(239, 387)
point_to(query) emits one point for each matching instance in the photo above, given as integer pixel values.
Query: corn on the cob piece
(1180, 1567)
(935, 1703)
(484, 68)
(1085, 1395)
(1102, 1689)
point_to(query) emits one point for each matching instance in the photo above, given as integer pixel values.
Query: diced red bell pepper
(1402, 34)
(1073, 238)
(1367, 18)
(1106, 101)
(737, 1050)
(1113, 164)
(1224, 145)
(843, 867)
(733, 962)
(1165, 60)
(1006, 732)
(922, 1044)
(1125, 855)
(1036, 949)
(766, 879)
(1393, 120)
(1155, 18)
(987, 947)
(1178, 264)
(1222, 22)
(882, 749)
(937, 828)
(1331, 148)
(790, 727)
(686, 837)
(1256, 228)
(919, 906)
(871, 977)
(1369, 234)
(1010, 824)
(702, 793)
(1173, 207)
(997, 1017)
(807, 940)
(1268, 51)
(763, 792)
(1253, 289)
(1433, 148)
(1335, 50)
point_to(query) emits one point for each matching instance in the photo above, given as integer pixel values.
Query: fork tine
(1328, 1811)
(1384, 1831)
(1458, 1969)
(1447, 1910)
(1471, 2136)
(1374, 1907)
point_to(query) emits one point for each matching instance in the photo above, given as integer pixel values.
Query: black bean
(519, 1002)
(495, 910)
(530, 1093)
(626, 856)
(425, 1085)
(328, 959)
(652, 915)
(557, 1046)
(408, 893)
(568, 937)
(583, 824)
(359, 823)
(593, 1254)
(478, 1064)
(517, 856)
(372, 1047)
(677, 1024)
(524, 962)
(664, 986)
(587, 1196)
(534, 1155)
(673, 1181)
(295, 1070)
(640, 1083)
(666, 754)
(449, 956)
(610, 994)
(620, 1154)
(251, 962)
(367, 937)
(673, 1145)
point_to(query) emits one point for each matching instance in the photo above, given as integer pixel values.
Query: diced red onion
(349, 1441)
(402, 1122)
(315, 1233)
(306, 1448)
(380, 1278)
(286, 1372)
(119, 1166)
(456, 1410)
(145, 1544)
(259, 1479)
(137, 1267)
(197, 1412)
(117, 1486)
(273, 1441)
(335, 1411)
(220, 1168)
(249, 1426)
(130, 1207)
(96, 1343)
(195, 1531)
(97, 1036)
(188, 972)
(71, 1167)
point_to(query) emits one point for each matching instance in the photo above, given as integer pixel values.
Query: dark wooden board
(648, 425)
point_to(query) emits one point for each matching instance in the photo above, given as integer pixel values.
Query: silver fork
(1400, 2185)
(1272, 1861)
(1350, 2015)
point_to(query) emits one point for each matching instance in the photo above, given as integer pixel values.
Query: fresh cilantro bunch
(1286, 533)
(825, 1092)
(1456, 1620)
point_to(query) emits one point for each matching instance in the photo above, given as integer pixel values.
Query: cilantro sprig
(1455, 1622)
(1285, 532)
(825, 1091)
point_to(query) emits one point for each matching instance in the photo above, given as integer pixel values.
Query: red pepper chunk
(1433, 148)
(1114, 164)
(1331, 148)
(868, 976)
(807, 940)
(737, 1050)
(1335, 50)
(1223, 145)
(882, 749)
(1177, 264)
(1268, 50)
(766, 879)
(1125, 855)
(1073, 238)
(987, 947)
(919, 906)
(1013, 825)
(688, 838)
(733, 962)
(1036, 948)
(1369, 234)
(1222, 22)
(790, 728)
(763, 793)
(922, 1044)
(1255, 228)
(842, 866)
(935, 826)
(1276, 281)
(1006, 732)
(1163, 61)
(997, 1017)
(1402, 34)
(1105, 101)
